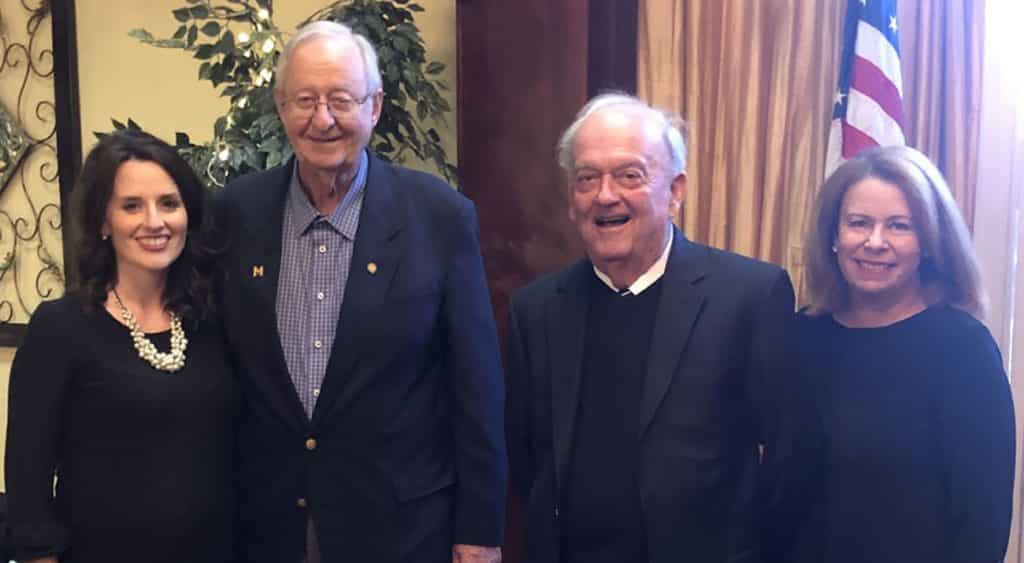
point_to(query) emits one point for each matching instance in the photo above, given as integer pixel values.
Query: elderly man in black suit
(642, 379)
(358, 317)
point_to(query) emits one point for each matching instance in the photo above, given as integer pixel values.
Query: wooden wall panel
(522, 76)
(524, 70)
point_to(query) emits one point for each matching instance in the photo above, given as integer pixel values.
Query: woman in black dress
(121, 390)
(916, 452)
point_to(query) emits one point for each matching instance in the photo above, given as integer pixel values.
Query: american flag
(868, 110)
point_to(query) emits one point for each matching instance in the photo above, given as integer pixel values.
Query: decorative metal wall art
(37, 99)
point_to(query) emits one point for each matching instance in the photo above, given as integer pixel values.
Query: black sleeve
(769, 374)
(38, 387)
(787, 421)
(792, 476)
(975, 411)
(517, 407)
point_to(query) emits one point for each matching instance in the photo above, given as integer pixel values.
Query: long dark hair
(191, 278)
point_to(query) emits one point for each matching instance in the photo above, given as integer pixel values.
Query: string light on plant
(268, 45)
(224, 154)
(242, 102)
(243, 37)
(263, 14)
(264, 76)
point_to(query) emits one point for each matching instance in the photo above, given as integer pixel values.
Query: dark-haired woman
(120, 390)
(917, 452)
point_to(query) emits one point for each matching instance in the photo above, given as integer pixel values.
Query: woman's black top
(142, 457)
(917, 448)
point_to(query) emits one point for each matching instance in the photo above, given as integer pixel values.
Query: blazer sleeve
(517, 419)
(793, 466)
(788, 425)
(975, 410)
(769, 370)
(38, 390)
(474, 366)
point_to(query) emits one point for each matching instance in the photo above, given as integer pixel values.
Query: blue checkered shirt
(316, 252)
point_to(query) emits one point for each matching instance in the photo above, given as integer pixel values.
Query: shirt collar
(647, 278)
(304, 214)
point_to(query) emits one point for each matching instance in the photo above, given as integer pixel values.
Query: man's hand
(462, 553)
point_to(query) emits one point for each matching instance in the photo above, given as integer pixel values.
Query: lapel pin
(257, 271)
(372, 268)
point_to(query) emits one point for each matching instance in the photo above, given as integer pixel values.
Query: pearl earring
(104, 237)
(834, 249)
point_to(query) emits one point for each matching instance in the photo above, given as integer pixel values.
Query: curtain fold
(756, 82)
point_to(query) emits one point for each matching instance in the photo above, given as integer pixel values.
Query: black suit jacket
(409, 452)
(708, 396)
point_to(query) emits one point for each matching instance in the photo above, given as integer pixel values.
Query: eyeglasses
(629, 177)
(304, 105)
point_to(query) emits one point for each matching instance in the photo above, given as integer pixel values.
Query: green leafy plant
(238, 44)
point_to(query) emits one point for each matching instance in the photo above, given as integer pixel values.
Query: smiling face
(146, 219)
(877, 246)
(325, 67)
(621, 196)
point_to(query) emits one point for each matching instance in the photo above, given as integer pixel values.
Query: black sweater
(143, 458)
(603, 517)
(918, 445)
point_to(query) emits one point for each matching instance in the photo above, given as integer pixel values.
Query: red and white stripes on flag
(868, 110)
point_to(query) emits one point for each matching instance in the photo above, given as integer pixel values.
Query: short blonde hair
(949, 267)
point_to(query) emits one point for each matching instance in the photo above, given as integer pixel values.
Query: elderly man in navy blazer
(358, 317)
(642, 378)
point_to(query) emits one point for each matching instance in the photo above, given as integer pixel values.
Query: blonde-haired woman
(917, 445)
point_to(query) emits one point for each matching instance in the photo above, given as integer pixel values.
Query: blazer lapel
(375, 259)
(566, 325)
(260, 271)
(680, 304)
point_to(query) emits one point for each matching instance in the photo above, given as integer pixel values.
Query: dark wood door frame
(612, 46)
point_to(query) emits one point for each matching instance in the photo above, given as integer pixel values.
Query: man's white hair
(671, 126)
(321, 29)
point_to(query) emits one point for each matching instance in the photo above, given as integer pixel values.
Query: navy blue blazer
(710, 395)
(407, 454)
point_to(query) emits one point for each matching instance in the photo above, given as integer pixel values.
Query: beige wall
(121, 78)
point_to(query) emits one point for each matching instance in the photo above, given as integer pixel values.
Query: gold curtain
(941, 58)
(756, 82)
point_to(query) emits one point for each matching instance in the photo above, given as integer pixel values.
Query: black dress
(917, 452)
(143, 458)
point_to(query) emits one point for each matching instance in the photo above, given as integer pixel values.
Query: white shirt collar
(646, 279)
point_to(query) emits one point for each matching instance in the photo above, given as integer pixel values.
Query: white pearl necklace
(165, 361)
